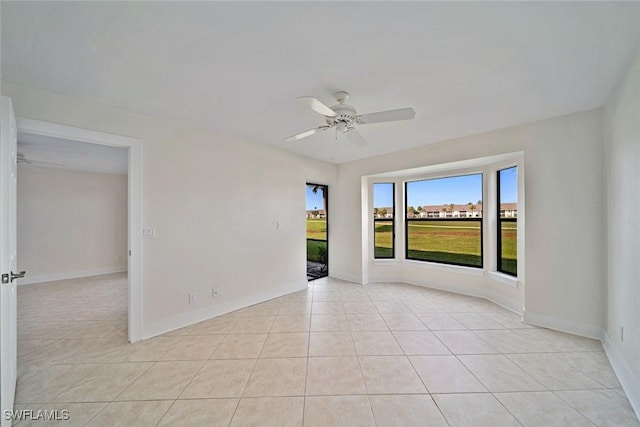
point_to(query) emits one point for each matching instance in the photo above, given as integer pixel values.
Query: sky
(509, 185)
(459, 190)
(314, 201)
(383, 195)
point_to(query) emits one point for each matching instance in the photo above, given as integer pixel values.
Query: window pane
(383, 237)
(383, 219)
(508, 221)
(444, 220)
(508, 256)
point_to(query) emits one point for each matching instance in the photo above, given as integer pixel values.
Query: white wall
(564, 255)
(622, 159)
(202, 192)
(70, 223)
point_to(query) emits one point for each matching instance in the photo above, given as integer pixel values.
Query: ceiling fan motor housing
(345, 114)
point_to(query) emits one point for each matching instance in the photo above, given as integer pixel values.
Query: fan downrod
(341, 96)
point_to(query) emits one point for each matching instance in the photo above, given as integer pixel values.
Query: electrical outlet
(621, 333)
(192, 297)
(214, 292)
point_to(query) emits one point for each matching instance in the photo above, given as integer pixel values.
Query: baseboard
(344, 280)
(453, 289)
(382, 278)
(29, 280)
(563, 325)
(507, 303)
(630, 384)
(345, 276)
(182, 320)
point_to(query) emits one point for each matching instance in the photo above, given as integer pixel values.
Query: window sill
(505, 279)
(385, 261)
(472, 271)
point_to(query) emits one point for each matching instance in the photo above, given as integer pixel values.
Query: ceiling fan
(22, 159)
(345, 119)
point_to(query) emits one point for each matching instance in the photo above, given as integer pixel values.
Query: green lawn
(446, 241)
(383, 237)
(509, 247)
(455, 242)
(317, 229)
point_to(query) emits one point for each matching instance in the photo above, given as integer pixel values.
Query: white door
(8, 261)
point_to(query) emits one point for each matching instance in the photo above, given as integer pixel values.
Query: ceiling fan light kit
(345, 118)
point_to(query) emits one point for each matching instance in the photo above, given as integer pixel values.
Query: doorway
(133, 253)
(317, 214)
(71, 196)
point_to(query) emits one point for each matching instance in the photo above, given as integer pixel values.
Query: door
(8, 261)
(317, 231)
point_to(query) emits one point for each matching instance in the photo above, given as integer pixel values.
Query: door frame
(326, 201)
(134, 220)
(8, 309)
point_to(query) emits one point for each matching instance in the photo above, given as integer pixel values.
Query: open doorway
(57, 151)
(72, 238)
(317, 215)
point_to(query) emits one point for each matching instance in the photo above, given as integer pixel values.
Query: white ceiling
(73, 155)
(465, 67)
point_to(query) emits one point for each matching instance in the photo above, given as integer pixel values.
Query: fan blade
(306, 133)
(42, 162)
(38, 162)
(386, 116)
(22, 159)
(357, 139)
(317, 106)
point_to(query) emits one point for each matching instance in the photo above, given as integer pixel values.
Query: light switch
(148, 232)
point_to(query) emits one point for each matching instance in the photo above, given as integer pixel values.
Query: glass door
(317, 231)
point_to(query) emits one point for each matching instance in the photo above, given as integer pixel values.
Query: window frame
(500, 220)
(393, 223)
(474, 219)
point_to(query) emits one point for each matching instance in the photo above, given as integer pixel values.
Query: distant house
(383, 213)
(451, 211)
(508, 210)
(316, 214)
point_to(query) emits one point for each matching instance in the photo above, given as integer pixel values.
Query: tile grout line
(166, 412)
(552, 344)
(306, 375)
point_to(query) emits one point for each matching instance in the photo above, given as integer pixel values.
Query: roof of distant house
(459, 208)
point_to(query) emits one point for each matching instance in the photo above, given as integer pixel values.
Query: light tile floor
(334, 354)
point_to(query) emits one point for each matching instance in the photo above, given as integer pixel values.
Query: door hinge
(10, 277)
